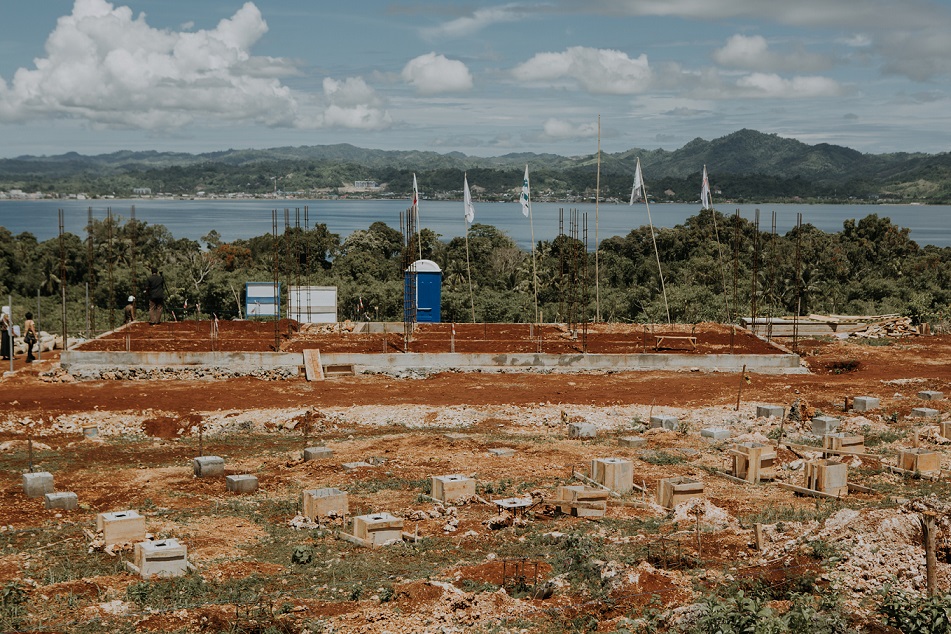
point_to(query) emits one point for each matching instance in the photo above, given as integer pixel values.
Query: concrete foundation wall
(762, 363)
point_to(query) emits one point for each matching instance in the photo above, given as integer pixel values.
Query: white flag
(705, 192)
(467, 200)
(638, 190)
(524, 199)
(415, 192)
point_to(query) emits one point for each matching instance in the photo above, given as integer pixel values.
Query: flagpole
(597, 241)
(716, 234)
(419, 235)
(467, 205)
(532, 226)
(650, 222)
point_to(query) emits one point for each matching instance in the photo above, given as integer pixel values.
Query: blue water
(248, 218)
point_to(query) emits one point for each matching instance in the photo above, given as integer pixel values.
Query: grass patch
(662, 458)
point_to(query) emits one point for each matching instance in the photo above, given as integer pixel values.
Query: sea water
(234, 219)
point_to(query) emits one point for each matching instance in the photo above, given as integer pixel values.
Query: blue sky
(486, 79)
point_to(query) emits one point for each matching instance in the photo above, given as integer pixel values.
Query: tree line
(715, 267)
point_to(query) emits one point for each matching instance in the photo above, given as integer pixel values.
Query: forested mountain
(744, 165)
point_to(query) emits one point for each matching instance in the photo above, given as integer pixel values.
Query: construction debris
(890, 328)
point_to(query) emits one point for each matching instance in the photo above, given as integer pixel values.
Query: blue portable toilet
(428, 277)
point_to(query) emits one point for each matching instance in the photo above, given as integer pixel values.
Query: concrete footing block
(323, 502)
(36, 485)
(582, 430)
(208, 466)
(615, 473)
(931, 395)
(665, 422)
(62, 500)
(924, 412)
(244, 483)
(770, 411)
(378, 529)
(822, 425)
(165, 558)
(865, 403)
(449, 488)
(632, 441)
(121, 527)
(715, 433)
(317, 453)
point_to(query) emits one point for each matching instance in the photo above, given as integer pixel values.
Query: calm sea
(248, 218)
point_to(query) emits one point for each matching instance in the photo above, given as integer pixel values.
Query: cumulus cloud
(752, 53)
(106, 67)
(774, 86)
(600, 71)
(354, 104)
(560, 129)
(433, 74)
(471, 24)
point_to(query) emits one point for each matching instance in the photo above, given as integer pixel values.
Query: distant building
(142, 191)
(365, 185)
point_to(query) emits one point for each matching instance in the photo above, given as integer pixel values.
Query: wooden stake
(758, 533)
(201, 444)
(928, 533)
(740, 391)
(29, 444)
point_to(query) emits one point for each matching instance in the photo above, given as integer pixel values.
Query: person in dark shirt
(155, 291)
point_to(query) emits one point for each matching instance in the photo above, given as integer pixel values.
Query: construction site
(154, 485)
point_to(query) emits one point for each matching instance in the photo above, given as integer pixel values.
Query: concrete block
(121, 527)
(350, 466)
(449, 488)
(164, 558)
(924, 412)
(90, 431)
(582, 430)
(242, 483)
(378, 529)
(317, 453)
(208, 466)
(64, 500)
(931, 395)
(844, 442)
(666, 422)
(921, 460)
(615, 473)
(715, 433)
(323, 502)
(865, 403)
(582, 501)
(502, 452)
(770, 411)
(822, 425)
(673, 491)
(827, 476)
(632, 441)
(36, 485)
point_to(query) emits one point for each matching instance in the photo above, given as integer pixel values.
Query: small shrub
(914, 613)
(662, 458)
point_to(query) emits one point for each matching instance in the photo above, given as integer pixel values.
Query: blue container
(428, 277)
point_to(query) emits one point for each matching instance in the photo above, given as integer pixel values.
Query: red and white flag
(415, 192)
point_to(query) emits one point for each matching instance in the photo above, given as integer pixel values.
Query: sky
(482, 78)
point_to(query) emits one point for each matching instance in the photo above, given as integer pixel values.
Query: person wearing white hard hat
(129, 310)
(6, 334)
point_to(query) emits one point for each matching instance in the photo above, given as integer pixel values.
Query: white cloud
(471, 24)
(774, 86)
(560, 129)
(354, 104)
(433, 74)
(600, 71)
(105, 67)
(752, 53)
